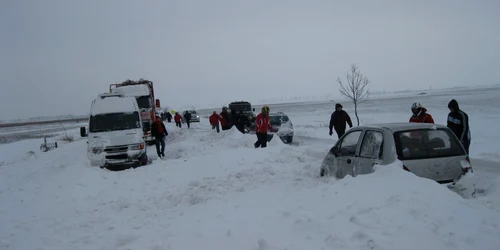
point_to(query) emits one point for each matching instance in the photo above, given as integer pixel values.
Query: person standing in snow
(262, 124)
(458, 122)
(177, 119)
(225, 120)
(338, 121)
(214, 121)
(420, 114)
(187, 117)
(159, 131)
(169, 117)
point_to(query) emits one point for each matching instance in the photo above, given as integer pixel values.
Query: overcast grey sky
(57, 55)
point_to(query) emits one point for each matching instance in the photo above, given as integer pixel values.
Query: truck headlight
(96, 150)
(138, 146)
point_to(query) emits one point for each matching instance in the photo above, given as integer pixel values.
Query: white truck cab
(115, 134)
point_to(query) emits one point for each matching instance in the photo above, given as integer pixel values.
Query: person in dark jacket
(458, 122)
(159, 131)
(169, 117)
(187, 117)
(338, 121)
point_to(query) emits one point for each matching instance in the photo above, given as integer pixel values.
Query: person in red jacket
(214, 121)
(420, 114)
(178, 119)
(262, 123)
(225, 121)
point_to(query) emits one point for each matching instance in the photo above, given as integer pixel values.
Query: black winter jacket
(339, 119)
(458, 122)
(154, 130)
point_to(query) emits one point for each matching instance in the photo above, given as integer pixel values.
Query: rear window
(427, 143)
(278, 120)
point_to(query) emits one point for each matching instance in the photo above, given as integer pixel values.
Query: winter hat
(338, 105)
(454, 105)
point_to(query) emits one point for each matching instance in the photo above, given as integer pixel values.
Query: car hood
(115, 138)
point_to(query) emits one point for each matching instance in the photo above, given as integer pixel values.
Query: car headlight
(96, 150)
(138, 146)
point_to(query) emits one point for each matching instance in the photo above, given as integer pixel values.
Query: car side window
(371, 146)
(349, 143)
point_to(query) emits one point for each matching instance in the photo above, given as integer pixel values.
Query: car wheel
(144, 160)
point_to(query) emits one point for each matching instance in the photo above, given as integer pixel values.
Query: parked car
(427, 150)
(115, 136)
(283, 126)
(195, 117)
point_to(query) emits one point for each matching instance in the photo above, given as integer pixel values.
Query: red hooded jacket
(214, 119)
(262, 123)
(177, 117)
(422, 118)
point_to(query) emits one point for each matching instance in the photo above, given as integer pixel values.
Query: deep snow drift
(215, 191)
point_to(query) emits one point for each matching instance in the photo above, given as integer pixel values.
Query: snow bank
(216, 191)
(390, 209)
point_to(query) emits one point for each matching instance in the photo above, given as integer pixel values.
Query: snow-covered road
(215, 191)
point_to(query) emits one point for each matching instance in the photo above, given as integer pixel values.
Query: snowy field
(215, 191)
(18, 133)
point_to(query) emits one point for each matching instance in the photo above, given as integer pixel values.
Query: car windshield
(277, 120)
(143, 102)
(192, 112)
(427, 143)
(114, 122)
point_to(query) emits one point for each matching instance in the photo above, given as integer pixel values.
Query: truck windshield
(240, 107)
(144, 102)
(114, 122)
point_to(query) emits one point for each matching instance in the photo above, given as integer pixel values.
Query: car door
(347, 148)
(370, 151)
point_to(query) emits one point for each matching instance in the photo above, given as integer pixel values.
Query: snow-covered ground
(215, 191)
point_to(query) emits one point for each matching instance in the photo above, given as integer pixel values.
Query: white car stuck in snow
(115, 136)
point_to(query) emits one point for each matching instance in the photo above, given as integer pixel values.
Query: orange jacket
(423, 118)
(262, 123)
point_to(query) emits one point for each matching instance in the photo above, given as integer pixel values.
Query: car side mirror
(334, 151)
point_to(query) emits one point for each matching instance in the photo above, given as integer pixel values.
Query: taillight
(469, 167)
(405, 168)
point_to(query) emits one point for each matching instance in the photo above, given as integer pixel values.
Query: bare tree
(355, 87)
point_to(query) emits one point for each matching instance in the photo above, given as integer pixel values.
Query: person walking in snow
(420, 114)
(187, 117)
(159, 131)
(338, 121)
(169, 117)
(177, 119)
(262, 124)
(214, 121)
(458, 122)
(225, 120)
